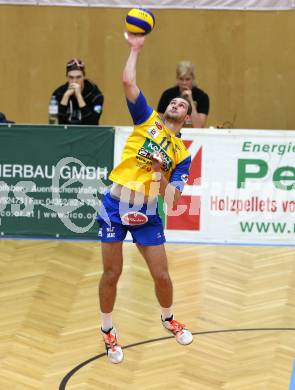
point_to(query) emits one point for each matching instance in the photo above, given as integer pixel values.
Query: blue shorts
(116, 218)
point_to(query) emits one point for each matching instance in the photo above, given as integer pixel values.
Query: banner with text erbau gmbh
(52, 179)
(241, 187)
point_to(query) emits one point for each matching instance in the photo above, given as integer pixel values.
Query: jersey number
(163, 145)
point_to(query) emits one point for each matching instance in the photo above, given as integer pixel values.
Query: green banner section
(52, 179)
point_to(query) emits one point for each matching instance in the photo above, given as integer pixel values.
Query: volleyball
(139, 21)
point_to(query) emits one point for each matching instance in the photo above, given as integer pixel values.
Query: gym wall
(245, 61)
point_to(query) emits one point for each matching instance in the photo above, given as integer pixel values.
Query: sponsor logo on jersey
(184, 178)
(149, 147)
(134, 218)
(159, 126)
(153, 132)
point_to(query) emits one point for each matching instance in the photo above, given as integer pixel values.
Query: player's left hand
(157, 161)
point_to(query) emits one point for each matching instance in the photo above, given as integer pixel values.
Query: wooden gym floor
(240, 302)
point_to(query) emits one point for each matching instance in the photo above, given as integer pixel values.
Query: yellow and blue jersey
(150, 135)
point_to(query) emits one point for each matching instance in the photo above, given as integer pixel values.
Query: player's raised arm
(131, 89)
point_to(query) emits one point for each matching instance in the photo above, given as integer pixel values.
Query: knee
(162, 279)
(112, 276)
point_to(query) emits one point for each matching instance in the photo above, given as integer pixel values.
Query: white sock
(106, 321)
(166, 312)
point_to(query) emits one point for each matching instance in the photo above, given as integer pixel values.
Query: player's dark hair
(189, 109)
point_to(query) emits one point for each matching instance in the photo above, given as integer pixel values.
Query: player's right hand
(135, 41)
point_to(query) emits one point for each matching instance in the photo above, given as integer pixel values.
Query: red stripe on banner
(189, 219)
(188, 215)
(196, 166)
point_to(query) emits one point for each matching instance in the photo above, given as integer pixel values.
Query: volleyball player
(154, 161)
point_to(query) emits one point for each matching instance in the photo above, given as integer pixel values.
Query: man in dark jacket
(80, 101)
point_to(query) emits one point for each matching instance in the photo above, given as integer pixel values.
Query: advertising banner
(241, 187)
(52, 178)
(244, 5)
